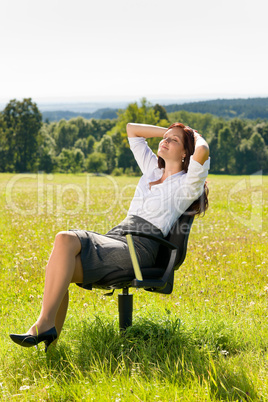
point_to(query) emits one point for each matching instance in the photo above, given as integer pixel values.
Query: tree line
(28, 144)
(104, 113)
(251, 108)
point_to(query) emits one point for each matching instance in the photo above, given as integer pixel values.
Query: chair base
(125, 309)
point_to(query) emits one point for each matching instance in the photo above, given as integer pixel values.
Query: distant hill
(251, 108)
(105, 113)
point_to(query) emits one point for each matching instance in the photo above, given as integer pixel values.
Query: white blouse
(165, 202)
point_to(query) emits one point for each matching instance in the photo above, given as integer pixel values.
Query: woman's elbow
(128, 129)
(201, 154)
(205, 149)
(131, 130)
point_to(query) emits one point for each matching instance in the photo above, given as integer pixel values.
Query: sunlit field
(207, 341)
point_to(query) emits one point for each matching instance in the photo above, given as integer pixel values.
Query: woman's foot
(40, 326)
(28, 340)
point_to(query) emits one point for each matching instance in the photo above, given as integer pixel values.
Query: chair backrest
(178, 235)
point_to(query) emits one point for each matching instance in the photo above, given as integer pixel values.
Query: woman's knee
(69, 240)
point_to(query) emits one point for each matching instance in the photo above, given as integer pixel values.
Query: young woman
(169, 185)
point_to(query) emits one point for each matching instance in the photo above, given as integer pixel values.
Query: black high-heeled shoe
(27, 340)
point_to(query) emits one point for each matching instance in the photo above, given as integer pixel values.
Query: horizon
(50, 104)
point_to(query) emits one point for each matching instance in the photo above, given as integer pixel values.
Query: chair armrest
(133, 256)
(150, 283)
(151, 237)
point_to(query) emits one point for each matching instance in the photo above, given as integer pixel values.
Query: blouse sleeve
(194, 180)
(143, 154)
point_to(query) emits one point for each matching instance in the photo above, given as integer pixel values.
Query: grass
(207, 341)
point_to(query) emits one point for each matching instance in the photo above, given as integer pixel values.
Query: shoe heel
(47, 342)
(47, 345)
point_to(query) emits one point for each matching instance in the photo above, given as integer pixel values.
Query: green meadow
(207, 341)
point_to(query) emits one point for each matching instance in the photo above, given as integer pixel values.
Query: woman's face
(171, 147)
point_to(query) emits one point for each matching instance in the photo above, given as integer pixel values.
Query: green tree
(107, 147)
(81, 143)
(90, 144)
(213, 142)
(225, 148)
(161, 112)
(46, 151)
(83, 125)
(98, 128)
(259, 154)
(7, 142)
(252, 155)
(22, 122)
(71, 161)
(85, 144)
(213, 150)
(134, 113)
(203, 123)
(96, 163)
(237, 127)
(66, 134)
(243, 155)
(126, 160)
(262, 129)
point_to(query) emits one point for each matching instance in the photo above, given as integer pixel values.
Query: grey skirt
(103, 254)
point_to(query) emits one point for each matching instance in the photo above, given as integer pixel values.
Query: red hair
(201, 204)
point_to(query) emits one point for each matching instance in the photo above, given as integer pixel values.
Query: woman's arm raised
(201, 152)
(145, 130)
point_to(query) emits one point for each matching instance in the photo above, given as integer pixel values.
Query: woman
(168, 187)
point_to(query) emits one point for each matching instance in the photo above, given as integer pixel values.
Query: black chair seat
(123, 278)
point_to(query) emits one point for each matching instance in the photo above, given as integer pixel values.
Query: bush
(118, 172)
(131, 172)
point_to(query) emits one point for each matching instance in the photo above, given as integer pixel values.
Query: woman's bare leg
(61, 314)
(62, 311)
(64, 266)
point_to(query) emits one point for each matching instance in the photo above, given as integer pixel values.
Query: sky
(86, 50)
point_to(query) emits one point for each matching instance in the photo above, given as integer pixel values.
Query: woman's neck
(171, 168)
